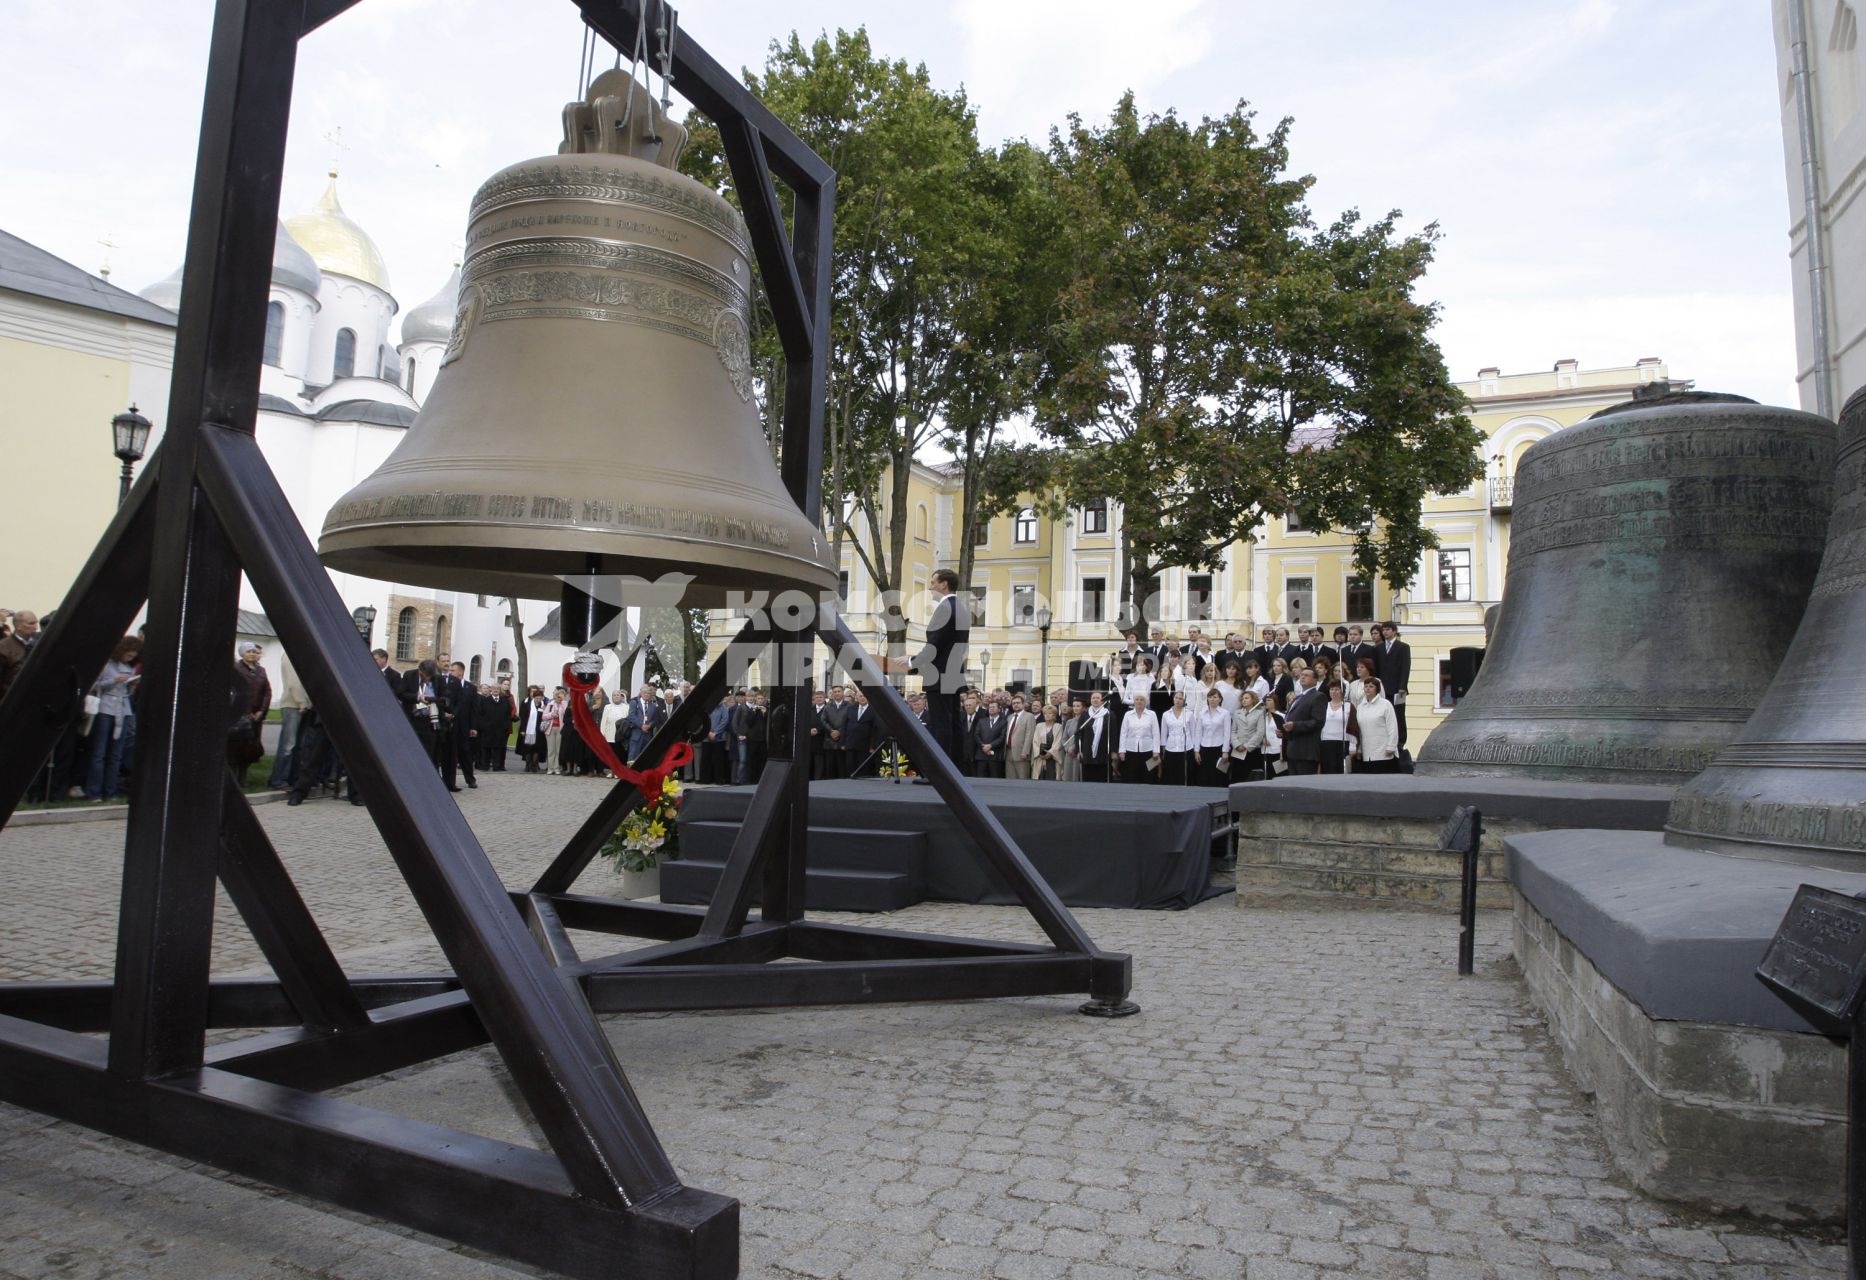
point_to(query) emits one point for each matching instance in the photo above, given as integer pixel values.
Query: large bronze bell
(1661, 555)
(594, 410)
(1792, 786)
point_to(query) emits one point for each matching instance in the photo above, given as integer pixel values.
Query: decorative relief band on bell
(1601, 753)
(1825, 826)
(589, 254)
(610, 184)
(535, 510)
(1711, 526)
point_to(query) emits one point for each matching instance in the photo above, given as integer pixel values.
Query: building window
(474, 669)
(1026, 529)
(1360, 600)
(1094, 599)
(926, 523)
(441, 636)
(981, 533)
(1454, 575)
(344, 364)
(1296, 522)
(275, 332)
(978, 605)
(391, 370)
(1199, 597)
(1299, 600)
(405, 635)
(1022, 678)
(1095, 517)
(505, 667)
(1023, 606)
(842, 586)
(1447, 700)
(411, 375)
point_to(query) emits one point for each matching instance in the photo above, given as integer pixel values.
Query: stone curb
(108, 812)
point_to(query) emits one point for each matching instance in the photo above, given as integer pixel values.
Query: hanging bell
(593, 414)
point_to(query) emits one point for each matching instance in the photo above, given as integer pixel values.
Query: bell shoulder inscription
(612, 184)
(1830, 826)
(1599, 753)
(546, 509)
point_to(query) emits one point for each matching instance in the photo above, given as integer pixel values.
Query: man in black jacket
(941, 663)
(863, 735)
(1395, 669)
(1095, 739)
(1302, 726)
(463, 707)
(992, 725)
(834, 721)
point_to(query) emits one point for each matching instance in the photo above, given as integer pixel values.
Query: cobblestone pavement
(1308, 1093)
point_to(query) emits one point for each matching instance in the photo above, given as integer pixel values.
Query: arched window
(405, 635)
(275, 331)
(474, 670)
(1025, 530)
(344, 365)
(411, 375)
(391, 370)
(441, 636)
(505, 667)
(926, 524)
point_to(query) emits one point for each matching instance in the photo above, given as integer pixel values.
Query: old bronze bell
(594, 411)
(1661, 556)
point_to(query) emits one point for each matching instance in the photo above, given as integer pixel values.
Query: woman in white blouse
(1213, 754)
(1186, 681)
(1340, 732)
(1272, 736)
(1179, 730)
(1137, 687)
(1139, 747)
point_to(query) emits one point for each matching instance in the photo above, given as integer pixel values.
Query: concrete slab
(1680, 931)
(1534, 800)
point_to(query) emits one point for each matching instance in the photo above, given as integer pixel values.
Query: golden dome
(336, 243)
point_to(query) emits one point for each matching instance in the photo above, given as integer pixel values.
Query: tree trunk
(520, 655)
(898, 480)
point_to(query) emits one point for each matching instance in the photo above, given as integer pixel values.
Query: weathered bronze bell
(1792, 786)
(594, 410)
(1660, 558)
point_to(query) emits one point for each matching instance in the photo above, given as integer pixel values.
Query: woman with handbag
(1046, 746)
(112, 723)
(251, 698)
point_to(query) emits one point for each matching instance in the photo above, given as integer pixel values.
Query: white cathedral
(335, 397)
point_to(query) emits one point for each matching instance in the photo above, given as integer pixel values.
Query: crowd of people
(1159, 711)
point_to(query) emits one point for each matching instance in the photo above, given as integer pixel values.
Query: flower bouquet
(647, 837)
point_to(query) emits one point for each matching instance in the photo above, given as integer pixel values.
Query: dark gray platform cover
(1538, 800)
(1680, 931)
(1098, 844)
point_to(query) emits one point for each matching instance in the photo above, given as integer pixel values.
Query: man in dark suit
(941, 665)
(992, 726)
(1302, 726)
(1395, 670)
(834, 722)
(1353, 650)
(1284, 649)
(819, 738)
(463, 706)
(423, 693)
(864, 735)
(646, 713)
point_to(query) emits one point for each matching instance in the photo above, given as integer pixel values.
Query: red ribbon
(648, 781)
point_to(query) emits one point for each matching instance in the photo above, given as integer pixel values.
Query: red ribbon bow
(648, 781)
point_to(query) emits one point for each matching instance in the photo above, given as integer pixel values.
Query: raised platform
(1711, 1090)
(850, 869)
(1097, 844)
(1376, 835)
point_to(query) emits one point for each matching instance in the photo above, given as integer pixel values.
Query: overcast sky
(1607, 174)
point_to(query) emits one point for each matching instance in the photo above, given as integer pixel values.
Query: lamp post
(365, 618)
(130, 435)
(1043, 618)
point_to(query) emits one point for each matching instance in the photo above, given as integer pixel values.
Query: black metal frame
(604, 1200)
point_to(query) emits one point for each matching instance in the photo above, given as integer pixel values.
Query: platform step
(691, 881)
(831, 848)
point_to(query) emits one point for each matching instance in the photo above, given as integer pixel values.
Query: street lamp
(365, 618)
(130, 433)
(1043, 617)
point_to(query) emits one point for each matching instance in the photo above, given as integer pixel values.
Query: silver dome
(292, 268)
(433, 320)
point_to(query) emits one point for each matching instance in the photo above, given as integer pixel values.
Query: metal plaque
(1457, 832)
(1817, 959)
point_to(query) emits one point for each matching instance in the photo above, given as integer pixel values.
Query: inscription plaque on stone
(1817, 959)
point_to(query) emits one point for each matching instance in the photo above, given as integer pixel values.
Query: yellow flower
(656, 830)
(670, 787)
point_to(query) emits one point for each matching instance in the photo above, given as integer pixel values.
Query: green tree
(1218, 359)
(903, 152)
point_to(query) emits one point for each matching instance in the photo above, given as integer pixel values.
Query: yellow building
(75, 351)
(1284, 575)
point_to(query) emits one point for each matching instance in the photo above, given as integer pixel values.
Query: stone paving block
(1309, 1092)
